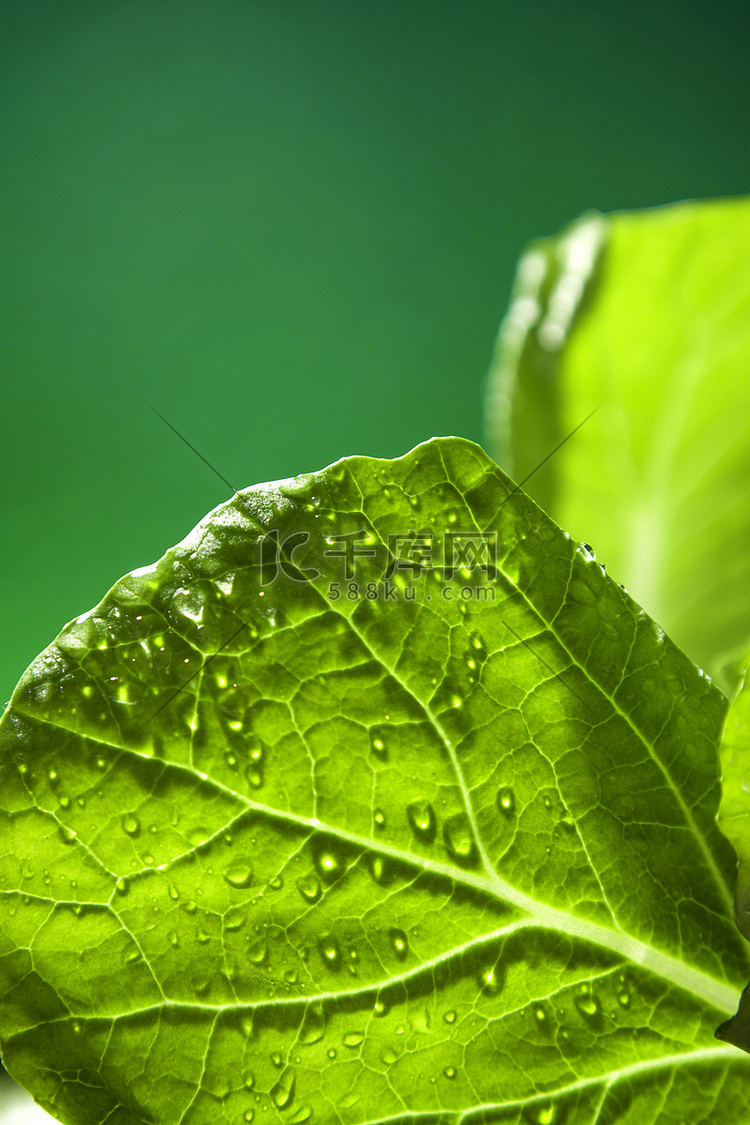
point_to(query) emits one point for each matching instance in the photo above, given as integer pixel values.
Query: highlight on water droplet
(276, 1059)
(449, 1071)
(309, 887)
(238, 875)
(121, 886)
(506, 801)
(586, 1003)
(248, 1115)
(301, 1115)
(353, 1039)
(313, 1026)
(330, 951)
(450, 1016)
(378, 744)
(329, 865)
(459, 838)
(378, 868)
(381, 1007)
(130, 824)
(379, 818)
(399, 944)
(282, 1094)
(422, 819)
(546, 1114)
(491, 979)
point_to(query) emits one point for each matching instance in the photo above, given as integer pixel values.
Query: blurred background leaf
(644, 318)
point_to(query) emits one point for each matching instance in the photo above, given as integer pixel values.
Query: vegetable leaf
(644, 315)
(432, 837)
(734, 821)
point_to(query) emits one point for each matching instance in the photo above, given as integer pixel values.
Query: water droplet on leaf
(282, 1094)
(459, 838)
(506, 801)
(131, 825)
(309, 887)
(239, 875)
(422, 820)
(330, 951)
(399, 944)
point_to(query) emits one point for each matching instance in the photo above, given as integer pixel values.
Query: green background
(292, 228)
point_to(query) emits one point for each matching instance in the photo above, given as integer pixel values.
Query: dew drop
(121, 886)
(331, 1052)
(301, 1115)
(353, 1039)
(249, 1080)
(130, 824)
(459, 838)
(277, 1060)
(587, 1004)
(277, 883)
(381, 1008)
(309, 887)
(282, 1094)
(623, 997)
(248, 1115)
(239, 875)
(330, 951)
(540, 1015)
(545, 1115)
(234, 919)
(379, 818)
(329, 866)
(257, 952)
(588, 552)
(506, 801)
(491, 981)
(399, 944)
(66, 835)
(378, 746)
(449, 1071)
(450, 1016)
(389, 1056)
(255, 777)
(313, 1026)
(190, 907)
(53, 778)
(422, 820)
(377, 868)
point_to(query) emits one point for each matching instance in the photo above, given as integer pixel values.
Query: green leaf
(643, 315)
(734, 821)
(435, 842)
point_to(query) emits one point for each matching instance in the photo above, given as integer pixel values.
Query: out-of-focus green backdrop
(292, 227)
